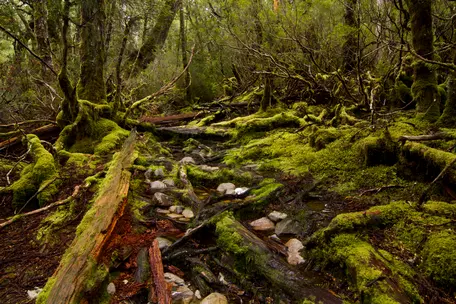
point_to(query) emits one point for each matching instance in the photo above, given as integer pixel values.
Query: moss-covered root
(254, 256)
(40, 176)
(376, 276)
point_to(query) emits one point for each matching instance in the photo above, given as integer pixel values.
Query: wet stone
(224, 187)
(162, 199)
(276, 216)
(175, 215)
(215, 298)
(157, 186)
(176, 209)
(142, 272)
(187, 160)
(262, 224)
(239, 191)
(169, 182)
(287, 226)
(188, 213)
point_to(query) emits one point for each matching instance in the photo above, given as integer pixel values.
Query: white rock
(239, 191)
(163, 243)
(263, 224)
(125, 282)
(223, 188)
(176, 209)
(188, 213)
(276, 216)
(294, 258)
(215, 298)
(187, 160)
(163, 199)
(174, 279)
(111, 288)
(294, 245)
(198, 294)
(157, 185)
(274, 237)
(169, 182)
(159, 172)
(174, 215)
(33, 294)
(209, 168)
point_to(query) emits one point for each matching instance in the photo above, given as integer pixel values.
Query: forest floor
(346, 199)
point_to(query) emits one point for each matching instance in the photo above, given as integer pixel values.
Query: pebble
(33, 294)
(294, 245)
(276, 216)
(224, 187)
(174, 279)
(157, 185)
(111, 288)
(188, 213)
(184, 219)
(262, 224)
(209, 168)
(159, 172)
(176, 209)
(198, 295)
(163, 243)
(294, 257)
(163, 199)
(148, 174)
(187, 160)
(174, 215)
(239, 191)
(162, 211)
(183, 295)
(215, 298)
(274, 237)
(287, 226)
(169, 182)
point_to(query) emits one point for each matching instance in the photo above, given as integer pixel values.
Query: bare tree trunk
(157, 37)
(40, 19)
(424, 88)
(183, 40)
(91, 84)
(350, 45)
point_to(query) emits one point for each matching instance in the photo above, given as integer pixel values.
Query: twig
(58, 203)
(15, 165)
(377, 190)
(436, 136)
(187, 234)
(27, 122)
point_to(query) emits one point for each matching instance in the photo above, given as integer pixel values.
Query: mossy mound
(40, 176)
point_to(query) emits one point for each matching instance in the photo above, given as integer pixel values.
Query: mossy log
(187, 132)
(79, 273)
(39, 131)
(236, 239)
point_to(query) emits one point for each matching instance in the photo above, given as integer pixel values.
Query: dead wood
(436, 136)
(423, 196)
(276, 270)
(80, 262)
(162, 291)
(26, 122)
(202, 132)
(164, 120)
(39, 131)
(58, 203)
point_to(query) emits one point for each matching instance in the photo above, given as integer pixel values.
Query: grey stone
(173, 279)
(111, 288)
(148, 174)
(215, 298)
(157, 186)
(188, 213)
(182, 295)
(142, 272)
(223, 188)
(276, 216)
(163, 243)
(169, 182)
(176, 209)
(159, 172)
(287, 226)
(162, 211)
(163, 200)
(187, 160)
(209, 168)
(33, 294)
(262, 224)
(175, 215)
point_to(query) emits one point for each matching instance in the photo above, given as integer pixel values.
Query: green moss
(199, 177)
(44, 294)
(41, 172)
(53, 222)
(111, 141)
(439, 258)
(228, 238)
(266, 188)
(440, 208)
(322, 137)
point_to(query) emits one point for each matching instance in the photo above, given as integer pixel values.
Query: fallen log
(187, 132)
(39, 131)
(79, 272)
(164, 120)
(238, 240)
(160, 287)
(436, 136)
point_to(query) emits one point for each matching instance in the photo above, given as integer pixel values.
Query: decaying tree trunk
(237, 239)
(79, 272)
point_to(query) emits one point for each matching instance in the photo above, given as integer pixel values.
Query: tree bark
(91, 84)
(424, 88)
(40, 16)
(350, 45)
(157, 37)
(448, 118)
(183, 42)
